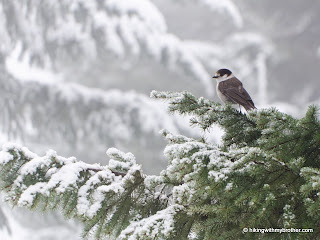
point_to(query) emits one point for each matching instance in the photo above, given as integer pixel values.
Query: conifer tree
(265, 174)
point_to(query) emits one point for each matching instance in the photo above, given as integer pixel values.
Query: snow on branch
(205, 113)
(42, 111)
(93, 30)
(110, 202)
(268, 161)
(85, 191)
(158, 226)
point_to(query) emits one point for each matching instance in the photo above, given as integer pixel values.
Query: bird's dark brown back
(235, 91)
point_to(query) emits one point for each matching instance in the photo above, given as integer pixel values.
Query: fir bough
(265, 175)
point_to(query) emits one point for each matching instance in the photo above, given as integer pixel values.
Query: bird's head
(222, 74)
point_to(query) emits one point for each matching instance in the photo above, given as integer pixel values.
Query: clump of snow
(288, 215)
(27, 153)
(99, 196)
(270, 197)
(120, 161)
(121, 156)
(219, 166)
(84, 205)
(5, 157)
(28, 195)
(113, 187)
(153, 180)
(183, 193)
(119, 165)
(229, 187)
(10, 146)
(31, 166)
(162, 222)
(66, 177)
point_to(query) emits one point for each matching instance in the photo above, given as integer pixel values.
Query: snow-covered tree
(55, 55)
(50, 60)
(77, 73)
(265, 174)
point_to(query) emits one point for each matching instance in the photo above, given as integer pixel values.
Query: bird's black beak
(214, 77)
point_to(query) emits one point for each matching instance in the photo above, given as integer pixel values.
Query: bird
(230, 89)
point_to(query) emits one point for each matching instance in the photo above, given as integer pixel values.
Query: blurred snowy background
(75, 75)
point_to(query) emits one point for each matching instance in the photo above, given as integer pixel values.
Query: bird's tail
(249, 106)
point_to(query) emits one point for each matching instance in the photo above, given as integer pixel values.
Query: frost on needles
(265, 174)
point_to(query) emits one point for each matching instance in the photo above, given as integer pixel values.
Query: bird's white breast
(220, 95)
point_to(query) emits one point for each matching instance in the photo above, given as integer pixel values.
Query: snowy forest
(77, 78)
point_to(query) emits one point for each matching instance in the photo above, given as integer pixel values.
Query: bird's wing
(240, 96)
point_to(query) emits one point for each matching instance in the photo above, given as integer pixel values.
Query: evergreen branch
(129, 30)
(97, 195)
(262, 176)
(284, 142)
(94, 117)
(206, 113)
